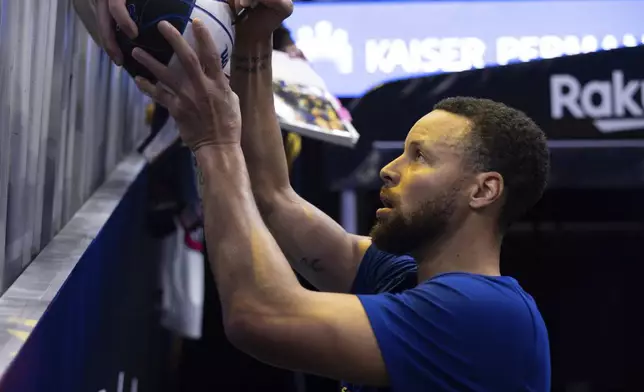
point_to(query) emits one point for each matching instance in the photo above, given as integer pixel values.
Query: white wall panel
(67, 118)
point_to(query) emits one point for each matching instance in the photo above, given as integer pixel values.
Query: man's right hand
(262, 20)
(113, 13)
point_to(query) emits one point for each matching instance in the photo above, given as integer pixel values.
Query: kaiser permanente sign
(358, 45)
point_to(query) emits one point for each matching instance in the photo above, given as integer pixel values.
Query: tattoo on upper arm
(250, 64)
(312, 264)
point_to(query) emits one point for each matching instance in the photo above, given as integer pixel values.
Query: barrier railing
(67, 118)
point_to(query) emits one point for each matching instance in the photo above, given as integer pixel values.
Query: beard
(406, 233)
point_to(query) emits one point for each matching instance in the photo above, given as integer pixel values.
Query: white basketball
(218, 17)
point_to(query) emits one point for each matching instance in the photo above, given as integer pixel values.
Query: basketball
(215, 14)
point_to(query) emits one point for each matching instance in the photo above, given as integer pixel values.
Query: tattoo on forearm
(250, 64)
(312, 264)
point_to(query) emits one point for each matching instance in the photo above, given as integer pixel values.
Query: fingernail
(137, 54)
(140, 83)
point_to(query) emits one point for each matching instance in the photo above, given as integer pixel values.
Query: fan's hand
(113, 14)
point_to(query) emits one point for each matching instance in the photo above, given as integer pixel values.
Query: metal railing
(67, 117)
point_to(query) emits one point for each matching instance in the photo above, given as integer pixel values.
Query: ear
(487, 188)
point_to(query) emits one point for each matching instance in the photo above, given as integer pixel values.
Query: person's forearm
(253, 277)
(252, 80)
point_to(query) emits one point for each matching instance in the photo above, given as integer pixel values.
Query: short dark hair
(507, 141)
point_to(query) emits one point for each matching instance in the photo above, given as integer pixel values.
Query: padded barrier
(91, 294)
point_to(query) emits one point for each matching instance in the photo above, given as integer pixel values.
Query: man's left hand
(199, 99)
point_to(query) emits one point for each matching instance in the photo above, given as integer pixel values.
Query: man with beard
(418, 306)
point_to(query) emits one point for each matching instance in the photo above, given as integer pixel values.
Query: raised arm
(266, 312)
(316, 246)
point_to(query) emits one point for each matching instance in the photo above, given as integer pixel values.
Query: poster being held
(305, 106)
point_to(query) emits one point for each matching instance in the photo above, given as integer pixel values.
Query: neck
(468, 249)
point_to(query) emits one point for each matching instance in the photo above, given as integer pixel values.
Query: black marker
(241, 15)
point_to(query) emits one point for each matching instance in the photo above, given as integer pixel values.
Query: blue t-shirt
(454, 332)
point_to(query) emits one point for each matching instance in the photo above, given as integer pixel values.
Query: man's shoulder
(484, 305)
(501, 292)
(472, 281)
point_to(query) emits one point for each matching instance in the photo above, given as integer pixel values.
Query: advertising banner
(592, 96)
(356, 46)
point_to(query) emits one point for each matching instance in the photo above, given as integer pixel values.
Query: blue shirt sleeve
(384, 272)
(461, 332)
